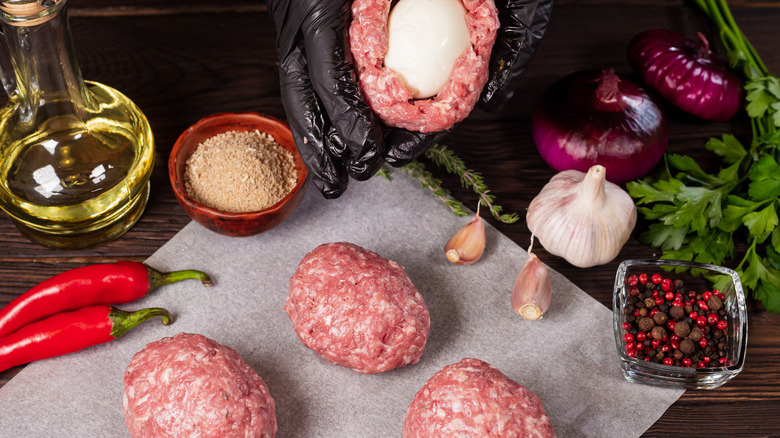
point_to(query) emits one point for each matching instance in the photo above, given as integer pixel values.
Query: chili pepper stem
(122, 322)
(157, 278)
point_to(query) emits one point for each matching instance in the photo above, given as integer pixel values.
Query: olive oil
(75, 155)
(77, 181)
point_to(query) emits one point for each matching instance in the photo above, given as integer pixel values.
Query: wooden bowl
(229, 223)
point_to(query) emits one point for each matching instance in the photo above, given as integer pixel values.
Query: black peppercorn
(682, 329)
(676, 313)
(714, 303)
(687, 346)
(649, 303)
(645, 324)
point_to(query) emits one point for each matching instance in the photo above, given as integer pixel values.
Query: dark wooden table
(181, 60)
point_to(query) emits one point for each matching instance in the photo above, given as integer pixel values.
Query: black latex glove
(335, 130)
(523, 23)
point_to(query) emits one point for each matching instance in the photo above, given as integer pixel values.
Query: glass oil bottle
(75, 156)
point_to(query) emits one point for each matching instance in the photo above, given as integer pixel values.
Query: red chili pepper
(105, 283)
(69, 332)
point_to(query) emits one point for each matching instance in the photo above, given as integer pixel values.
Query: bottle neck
(48, 80)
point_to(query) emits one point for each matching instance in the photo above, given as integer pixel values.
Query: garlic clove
(532, 292)
(582, 217)
(467, 245)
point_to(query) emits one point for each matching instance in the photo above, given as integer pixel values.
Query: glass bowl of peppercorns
(679, 324)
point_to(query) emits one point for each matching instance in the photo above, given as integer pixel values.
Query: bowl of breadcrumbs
(237, 174)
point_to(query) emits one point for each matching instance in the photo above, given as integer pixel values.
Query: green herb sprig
(699, 216)
(441, 156)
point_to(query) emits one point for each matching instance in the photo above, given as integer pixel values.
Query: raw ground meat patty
(356, 309)
(474, 399)
(190, 386)
(384, 90)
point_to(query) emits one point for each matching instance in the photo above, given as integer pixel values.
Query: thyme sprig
(416, 170)
(443, 157)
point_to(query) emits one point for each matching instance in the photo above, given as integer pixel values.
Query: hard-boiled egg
(425, 37)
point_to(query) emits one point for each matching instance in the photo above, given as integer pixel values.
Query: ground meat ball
(474, 399)
(385, 91)
(356, 309)
(191, 386)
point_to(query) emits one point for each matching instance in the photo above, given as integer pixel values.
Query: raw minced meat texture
(473, 399)
(191, 386)
(357, 309)
(384, 89)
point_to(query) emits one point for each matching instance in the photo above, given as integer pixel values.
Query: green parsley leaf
(692, 170)
(661, 191)
(758, 99)
(761, 223)
(729, 148)
(666, 237)
(769, 295)
(733, 215)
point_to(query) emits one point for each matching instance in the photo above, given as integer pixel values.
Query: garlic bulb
(532, 292)
(467, 245)
(582, 217)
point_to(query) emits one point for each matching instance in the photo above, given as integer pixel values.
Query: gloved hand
(336, 132)
(523, 23)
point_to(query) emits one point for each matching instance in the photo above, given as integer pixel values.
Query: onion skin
(687, 74)
(595, 117)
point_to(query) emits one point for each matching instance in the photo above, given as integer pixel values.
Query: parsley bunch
(698, 216)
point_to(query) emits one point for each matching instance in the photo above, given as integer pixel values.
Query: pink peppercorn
(702, 305)
(659, 301)
(656, 278)
(701, 321)
(643, 278)
(641, 336)
(668, 361)
(626, 326)
(722, 361)
(666, 348)
(706, 295)
(687, 362)
(703, 342)
(712, 319)
(669, 296)
(722, 325)
(671, 325)
(666, 284)
(628, 337)
(630, 346)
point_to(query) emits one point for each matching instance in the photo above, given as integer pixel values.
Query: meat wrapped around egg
(422, 64)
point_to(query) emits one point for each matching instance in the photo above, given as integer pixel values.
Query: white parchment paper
(568, 358)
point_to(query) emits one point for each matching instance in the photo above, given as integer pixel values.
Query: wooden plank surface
(182, 60)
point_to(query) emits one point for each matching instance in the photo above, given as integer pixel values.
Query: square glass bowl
(695, 277)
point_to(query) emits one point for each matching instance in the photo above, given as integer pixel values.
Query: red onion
(600, 117)
(687, 73)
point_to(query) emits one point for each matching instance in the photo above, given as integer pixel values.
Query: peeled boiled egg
(425, 37)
